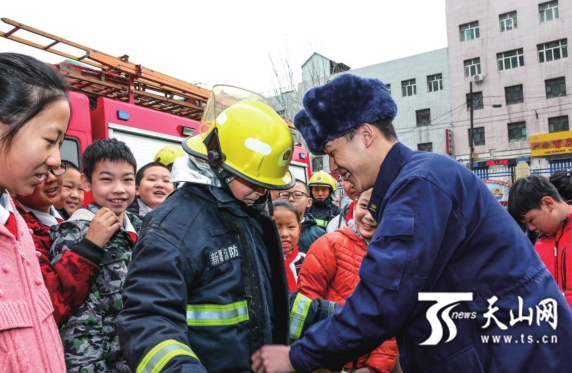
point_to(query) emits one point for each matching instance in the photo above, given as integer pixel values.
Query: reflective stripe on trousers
(217, 314)
(160, 355)
(298, 315)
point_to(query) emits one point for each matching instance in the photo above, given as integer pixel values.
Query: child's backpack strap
(82, 214)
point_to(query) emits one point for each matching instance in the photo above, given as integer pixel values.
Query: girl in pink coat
(34, 116)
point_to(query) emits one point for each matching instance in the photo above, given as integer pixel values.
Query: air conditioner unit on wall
(478, 78)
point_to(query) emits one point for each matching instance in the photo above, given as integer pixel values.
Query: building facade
(419, 84)
(515, 54)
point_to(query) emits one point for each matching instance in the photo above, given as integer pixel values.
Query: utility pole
(471, 163)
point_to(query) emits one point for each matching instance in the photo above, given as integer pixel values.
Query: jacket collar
(387, 174)
(308, 220)
(227, 202)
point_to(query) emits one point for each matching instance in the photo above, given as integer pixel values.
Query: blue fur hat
(340, 106)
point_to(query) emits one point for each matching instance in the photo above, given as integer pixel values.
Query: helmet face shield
(222, 97)
(242, 134)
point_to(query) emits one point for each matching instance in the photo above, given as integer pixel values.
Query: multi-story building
(515, 54)
(419, 84)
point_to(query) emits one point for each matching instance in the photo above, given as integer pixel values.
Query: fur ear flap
(342, 105)
(304, 124)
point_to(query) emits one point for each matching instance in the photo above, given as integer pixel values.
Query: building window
(514, 95)
(469, 31)
(510, 60)
(508, 21)
(556, 87)
(553, 51)
(435, 83)
(426, 147)
(423, 117)
(388, 88)
(409, 87)
(548, 11)
(317, 164)
(478, 136)
(517, 132)
(477, 101)
(558, 124)
(472, 67)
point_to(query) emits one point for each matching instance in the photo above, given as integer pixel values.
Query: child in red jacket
(287, 220)
(331, 273)
(70, 280)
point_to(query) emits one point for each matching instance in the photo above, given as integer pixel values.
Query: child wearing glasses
(299, 196)
(69, 280)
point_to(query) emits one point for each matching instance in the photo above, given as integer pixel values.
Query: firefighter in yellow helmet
(322, 188)
(168, 154)
(207, 286)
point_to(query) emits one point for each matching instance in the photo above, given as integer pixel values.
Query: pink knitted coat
(29, 338)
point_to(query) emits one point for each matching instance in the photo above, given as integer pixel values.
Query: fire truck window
(70, 151)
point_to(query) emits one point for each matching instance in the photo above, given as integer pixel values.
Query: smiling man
(440, 231)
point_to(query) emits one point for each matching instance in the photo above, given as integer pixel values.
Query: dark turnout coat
(207, 287)
(442, 231)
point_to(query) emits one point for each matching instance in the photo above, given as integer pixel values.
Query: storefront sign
(551, 143)
(499, 189)
(498, 162)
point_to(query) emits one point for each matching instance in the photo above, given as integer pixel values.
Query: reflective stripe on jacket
(193, 282)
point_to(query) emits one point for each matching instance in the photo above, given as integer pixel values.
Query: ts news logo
(443, 300)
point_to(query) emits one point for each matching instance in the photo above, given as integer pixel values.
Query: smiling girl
(331, 272)
(34, 116)
(288, 222)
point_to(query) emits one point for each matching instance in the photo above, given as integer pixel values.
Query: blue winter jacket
(442, 231)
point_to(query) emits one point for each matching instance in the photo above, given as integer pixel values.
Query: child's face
(350, 190)
(34, 150)
(288, 228)
(365, 223)
(544, 220)
(72, 194)
(45, 195)
(301, 203)
(320, 193)
(245, 191)
(112, 185)
(155, 186)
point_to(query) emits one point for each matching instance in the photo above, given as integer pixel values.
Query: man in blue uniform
(448, 273)
(207, 284)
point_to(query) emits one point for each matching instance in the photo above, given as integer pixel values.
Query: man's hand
(272, 359)
(102, 227)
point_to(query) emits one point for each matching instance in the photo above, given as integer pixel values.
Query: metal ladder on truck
(117, 78)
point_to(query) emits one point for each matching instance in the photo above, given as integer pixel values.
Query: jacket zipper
(556, 252)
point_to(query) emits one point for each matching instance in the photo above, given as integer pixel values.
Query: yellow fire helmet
(168, 154)
(322, 178)
(242, 134)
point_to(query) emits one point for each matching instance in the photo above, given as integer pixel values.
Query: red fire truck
(114, 98)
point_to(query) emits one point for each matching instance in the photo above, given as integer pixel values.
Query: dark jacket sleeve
(152, 327)
(393, 272)
(305, 312)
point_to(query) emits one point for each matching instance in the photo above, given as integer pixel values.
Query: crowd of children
(64, 266)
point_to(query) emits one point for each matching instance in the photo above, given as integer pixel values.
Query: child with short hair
(72, 195)
(107, 233)
(287, 220)
(535, 201)
(34, 117)
(69, 281)
(152, 186)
